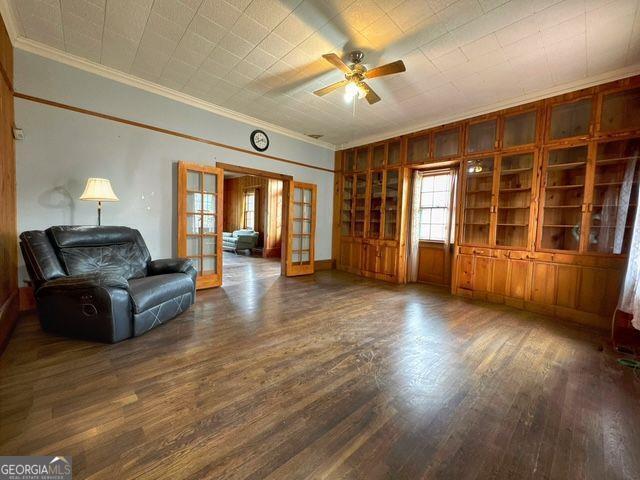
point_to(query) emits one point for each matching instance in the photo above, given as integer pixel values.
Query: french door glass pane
(209, 244)
(295, 256)
(209, 203)
(447, 143)
(306, 211)
(615, 195)
(306, 195)
(305, 243)
(194, 181)
(304, 256)
(296, 243)
(563, 198)
(361, 190)
(209, 224)
(347, 189)
(194, 223)
(514, 200)
(479, 187)
(375, 204)
(306, 227)
(193, 246)
(197, 264)
(209, 265)
(297, 210)
(391, 204)
(194, 202)
(297, 226)
(378, 156)
(482, 136)
(297, 195)
(621, 110)
(519, 129)
(210, 183)
(394, 153)
(571, 119)
(418, 149)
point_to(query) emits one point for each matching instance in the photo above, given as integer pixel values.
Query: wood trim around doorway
(227, 167)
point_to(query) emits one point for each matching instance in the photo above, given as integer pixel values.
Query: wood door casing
(206, 278)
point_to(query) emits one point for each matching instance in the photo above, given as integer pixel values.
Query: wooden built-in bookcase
(545, 203)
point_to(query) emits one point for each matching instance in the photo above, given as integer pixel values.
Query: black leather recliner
(99, 283)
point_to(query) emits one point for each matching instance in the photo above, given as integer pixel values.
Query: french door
(200, 220)
(301, 222)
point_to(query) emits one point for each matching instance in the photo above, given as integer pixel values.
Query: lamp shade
(99, 190)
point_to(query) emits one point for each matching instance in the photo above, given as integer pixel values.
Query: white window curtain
(630, 298)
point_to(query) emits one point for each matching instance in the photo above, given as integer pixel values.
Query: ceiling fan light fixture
(354, 90)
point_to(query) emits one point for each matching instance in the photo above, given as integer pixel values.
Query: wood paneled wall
(268, 209)
(8, 233)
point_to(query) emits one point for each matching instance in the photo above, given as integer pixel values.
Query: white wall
(61, 149)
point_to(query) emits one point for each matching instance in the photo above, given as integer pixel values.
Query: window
(435, 196)
(250, 209)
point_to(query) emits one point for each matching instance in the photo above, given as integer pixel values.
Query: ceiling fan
(356, 74)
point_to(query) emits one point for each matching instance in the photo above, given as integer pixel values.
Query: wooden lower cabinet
(584, 289)
(370, 258)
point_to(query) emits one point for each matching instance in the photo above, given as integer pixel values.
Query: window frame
(446, 209)
(247, 193)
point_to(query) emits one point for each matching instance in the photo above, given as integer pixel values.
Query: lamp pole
(99, 211)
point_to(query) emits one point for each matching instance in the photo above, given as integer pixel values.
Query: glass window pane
(305, 256)
(297, 195)
(482, 136)
(621, 111)
(307, 211)
(210, 183)
(193, 223)
(349, 161)
(306, 241)
(520, 129)
(297, 226)
(391, 204)
(295, 256)
(571, 119)
(375, 204)
(362, 158)
(197, 264)
(297, 210)
(347, 191)
(209, 244)
(209, 203)
(194, 180)
(193, 246)
(434, 212)
(306, 227)
(477, 202)
(295, 244)
(447, 143)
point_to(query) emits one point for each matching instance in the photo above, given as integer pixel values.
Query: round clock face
(259, 140)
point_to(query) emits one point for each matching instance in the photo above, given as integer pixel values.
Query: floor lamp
(99, 190)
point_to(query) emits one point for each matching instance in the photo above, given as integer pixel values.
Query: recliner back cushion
(113, 250)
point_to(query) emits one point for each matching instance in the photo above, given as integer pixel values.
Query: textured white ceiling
(262, 57)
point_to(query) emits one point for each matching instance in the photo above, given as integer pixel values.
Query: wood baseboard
(27, 300)
(324, 265)
(8, 318)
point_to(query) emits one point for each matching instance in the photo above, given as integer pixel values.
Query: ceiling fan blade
(388, 69)
(371, 96)
(331, 88)
(337, 62)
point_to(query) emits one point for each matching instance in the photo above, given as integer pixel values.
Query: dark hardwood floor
(327, 376)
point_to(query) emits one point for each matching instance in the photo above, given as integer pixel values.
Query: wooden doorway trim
(287, 180)
(227, 167)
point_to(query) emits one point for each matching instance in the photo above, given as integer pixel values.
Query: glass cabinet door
(478, 201)
(563, 197)
(360, 204)
(570, 119)
(393, 157)
(347, 205)
(615, 192)
(519, 129)
(377, 160)
(375, 203)
(514, 200)
(620, 111)
(447, 143)
(200, 221)
(482, 136)
(362, 159)
(418, 149)
(391, 195)
(349, 161)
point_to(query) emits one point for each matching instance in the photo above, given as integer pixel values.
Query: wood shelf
(563, 187)
(567, 166)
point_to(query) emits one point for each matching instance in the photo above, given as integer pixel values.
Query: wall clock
(259, 140)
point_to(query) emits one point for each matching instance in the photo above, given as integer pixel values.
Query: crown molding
(540, 95)
(56, 55)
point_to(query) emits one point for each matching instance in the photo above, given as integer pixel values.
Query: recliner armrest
(86, 281)
(169, 265)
